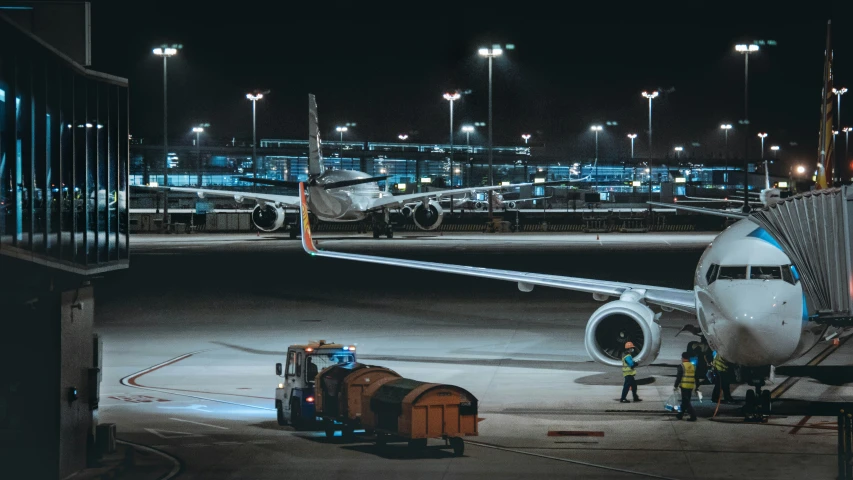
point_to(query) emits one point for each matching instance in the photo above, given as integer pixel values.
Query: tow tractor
(294, 397)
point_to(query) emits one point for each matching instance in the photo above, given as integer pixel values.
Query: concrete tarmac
(193, 330)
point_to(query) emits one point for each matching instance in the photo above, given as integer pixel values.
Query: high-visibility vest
(720, 364)
(626, 369)
(688, 380)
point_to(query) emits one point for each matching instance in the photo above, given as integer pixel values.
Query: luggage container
(408, 410)
(339, 394)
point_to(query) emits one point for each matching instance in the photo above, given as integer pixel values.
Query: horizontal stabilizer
(349, 183)
(268, 181)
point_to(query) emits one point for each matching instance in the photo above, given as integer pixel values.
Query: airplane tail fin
(315, 156)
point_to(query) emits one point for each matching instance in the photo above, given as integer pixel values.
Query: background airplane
(339, 195)
(748, 301)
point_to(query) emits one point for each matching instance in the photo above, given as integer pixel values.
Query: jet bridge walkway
(814, 230)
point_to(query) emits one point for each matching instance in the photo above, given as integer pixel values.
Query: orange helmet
(629, 345)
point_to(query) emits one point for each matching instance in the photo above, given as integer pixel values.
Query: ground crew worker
(685, 380)
(629, 372)
(310, 369)
(723, 380)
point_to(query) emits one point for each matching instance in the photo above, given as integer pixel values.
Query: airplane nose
(756, 327)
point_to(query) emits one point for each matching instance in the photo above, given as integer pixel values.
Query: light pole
(254, 98)
(198, 131)
(165, 52)
(846, 131)
(451, 97)
(632, 136)
(596, 129)
(490, 53)
(746, 50)
(725, 128)
(341, 130)
(836, 169)
(650, 96)
(467, 129)
(774, 149)
(762, 136)
(677, 151)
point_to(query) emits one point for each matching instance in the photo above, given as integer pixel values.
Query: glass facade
(63, 158)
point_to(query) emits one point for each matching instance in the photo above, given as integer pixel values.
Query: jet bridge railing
(813, 229)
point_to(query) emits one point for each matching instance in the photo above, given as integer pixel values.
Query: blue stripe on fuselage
(765, 235)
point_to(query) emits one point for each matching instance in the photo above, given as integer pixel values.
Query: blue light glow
(763, 234)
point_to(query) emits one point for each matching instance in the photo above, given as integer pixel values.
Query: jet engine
(268, 218)
(406, 211)
(511, 205)
(428, 217)
(620, 321)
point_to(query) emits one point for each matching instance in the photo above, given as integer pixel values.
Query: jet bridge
(814, 230)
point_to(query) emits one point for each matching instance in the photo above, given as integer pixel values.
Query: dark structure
(63, 219)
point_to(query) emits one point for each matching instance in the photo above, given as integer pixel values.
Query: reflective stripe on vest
(627, 370)
(688, 380)
(720, 364)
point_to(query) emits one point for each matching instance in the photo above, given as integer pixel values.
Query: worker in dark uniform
(629, 372)
(723, 380)
(310, 369)
(685, 380)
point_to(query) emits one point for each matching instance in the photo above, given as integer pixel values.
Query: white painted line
(176, 464)
(227, 443)
(199, 423)
(160, 433)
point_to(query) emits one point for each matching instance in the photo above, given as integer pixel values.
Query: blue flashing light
(795, 273)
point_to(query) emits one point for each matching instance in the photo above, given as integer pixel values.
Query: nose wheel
(756, 407)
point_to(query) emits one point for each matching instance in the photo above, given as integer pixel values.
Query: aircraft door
(290, 380)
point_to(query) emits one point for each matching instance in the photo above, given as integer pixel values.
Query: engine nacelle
(428, 217)
(617, 322)
(268, 218)
(406, 211)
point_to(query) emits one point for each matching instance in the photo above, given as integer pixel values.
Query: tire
(279, 416)
(389, 232)
(381, 441)
(375, 233)
(749, 403)
(765, 402)
(348, 432)
(458, 446)
(330, 429)
(296, 418)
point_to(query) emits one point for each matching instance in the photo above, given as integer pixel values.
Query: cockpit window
(732, 273)
(765, 273)
(789, 274)
(712, 273)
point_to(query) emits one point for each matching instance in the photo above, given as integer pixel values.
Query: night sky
(385, 65)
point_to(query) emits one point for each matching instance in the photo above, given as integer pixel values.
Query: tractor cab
(294, 397)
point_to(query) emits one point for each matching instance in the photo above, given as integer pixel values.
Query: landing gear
(382, 225)
(757, 405)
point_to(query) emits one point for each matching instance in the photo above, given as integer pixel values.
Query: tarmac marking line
(574, 433)
(817, 360)
(199, 423)
(800, 425)
(567, 460)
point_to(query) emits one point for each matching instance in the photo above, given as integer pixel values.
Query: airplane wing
(400, 200)
(709, 211)
(683, 300)
(238, 196)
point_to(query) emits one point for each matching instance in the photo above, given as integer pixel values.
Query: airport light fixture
(651, 96)
(341, 130)
(402, 136)
(846, 131)
(678, 150)
(254, 99)
(801, 169)
(491, 53)
(746, 50)
(762, 136)
(838, 93)
(596, 129)
(166, 51)
(198, 130)
(451, 97)
(526, 137)
(725, 128)
(632, 136)
(774, 149)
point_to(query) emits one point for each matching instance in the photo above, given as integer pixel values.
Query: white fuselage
(344, 204)
(751, 305)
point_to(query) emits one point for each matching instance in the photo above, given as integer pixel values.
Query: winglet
(307, 242)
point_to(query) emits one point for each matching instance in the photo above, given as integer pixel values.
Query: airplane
(338, 195)
(768, 195)
(748, 300)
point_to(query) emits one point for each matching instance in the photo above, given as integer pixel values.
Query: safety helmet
(628, 345)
